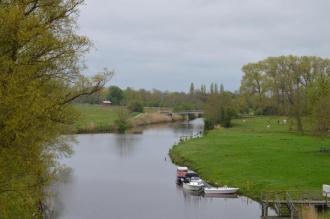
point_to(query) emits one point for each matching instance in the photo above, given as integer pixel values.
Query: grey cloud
(167, 44)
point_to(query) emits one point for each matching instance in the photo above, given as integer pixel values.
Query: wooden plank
(275, 217)
(297, 201)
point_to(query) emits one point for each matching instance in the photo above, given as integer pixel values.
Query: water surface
(127, 176)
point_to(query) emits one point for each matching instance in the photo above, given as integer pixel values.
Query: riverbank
(153, 118)
(257, 158)
(101, 119)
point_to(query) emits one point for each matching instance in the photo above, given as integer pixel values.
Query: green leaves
(220, 109)
(39, 77)
(291, 84)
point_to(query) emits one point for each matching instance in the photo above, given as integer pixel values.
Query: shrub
(136, 107)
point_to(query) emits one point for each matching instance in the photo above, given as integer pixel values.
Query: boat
(194, 185)
(191, 176)
(181, 173)
(219, 195)
(220, 190)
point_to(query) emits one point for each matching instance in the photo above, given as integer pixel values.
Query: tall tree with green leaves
(294, 85)
(222, 88)
(220, 109)
(216, 88)
(192, 88)
(212, 88)
(115, 95)
(40, 74)
(203, 89)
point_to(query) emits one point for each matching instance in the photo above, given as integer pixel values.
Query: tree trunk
(299, 123)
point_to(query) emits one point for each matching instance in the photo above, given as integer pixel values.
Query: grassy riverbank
(256, 158)
(99, 118)
(95, 118)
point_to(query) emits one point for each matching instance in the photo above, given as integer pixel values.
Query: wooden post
(264, 209)
(326, 199)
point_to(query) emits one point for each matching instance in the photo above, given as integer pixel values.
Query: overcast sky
(166, 44)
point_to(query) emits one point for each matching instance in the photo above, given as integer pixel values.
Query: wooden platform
(300, 202)
(275, 217)
(287, 207)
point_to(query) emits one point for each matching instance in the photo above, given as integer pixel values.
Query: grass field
(95, 118)
(99, 118)
(256, 158)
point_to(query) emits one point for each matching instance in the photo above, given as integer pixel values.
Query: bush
(136, 107)
(270, 110)
(220, 109)
(115, 95)
(121, 122)
(208, 124)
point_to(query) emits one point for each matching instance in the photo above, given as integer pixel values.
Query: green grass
(256, 158)
(99, 118)
(95, 118)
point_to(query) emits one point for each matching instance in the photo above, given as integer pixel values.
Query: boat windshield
(191, 175)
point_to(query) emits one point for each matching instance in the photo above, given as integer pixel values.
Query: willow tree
(220, 109)
(299, 85)
(254, 86)
(40, 74)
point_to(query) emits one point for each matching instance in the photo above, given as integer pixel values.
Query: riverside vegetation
(40, 79)
(98, 118)
(40, 76)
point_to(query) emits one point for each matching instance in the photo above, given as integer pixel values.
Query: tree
(222, 88)
(39, 78)
(115, 95)
(135, 106)
(203, 89)
(122, 123)
(319, 94)
(220, 109)
(216, 88)
(192, 88)
(212, 88)
(290, 84)
(253, 86)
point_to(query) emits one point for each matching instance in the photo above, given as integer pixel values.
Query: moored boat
(181, 173)
(220, 190)
(191, 176)
(195, 185)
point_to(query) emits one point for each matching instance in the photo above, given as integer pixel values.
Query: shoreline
(256, 159)
(139, 121)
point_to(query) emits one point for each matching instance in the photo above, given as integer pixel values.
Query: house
(106, 102)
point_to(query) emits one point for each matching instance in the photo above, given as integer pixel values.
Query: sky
(167, 44)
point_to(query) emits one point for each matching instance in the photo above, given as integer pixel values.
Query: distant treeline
(297, 87)
(194, 99)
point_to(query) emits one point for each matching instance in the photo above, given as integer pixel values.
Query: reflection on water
(126, 176)
(125, 144)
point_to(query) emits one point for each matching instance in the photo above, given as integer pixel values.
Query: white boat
(195, 185)
(182, 169)
(220, 190)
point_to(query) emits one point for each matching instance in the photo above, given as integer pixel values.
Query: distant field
(99, 118)
(95, 118)
(256, 158)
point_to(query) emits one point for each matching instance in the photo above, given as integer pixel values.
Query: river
(127, 176)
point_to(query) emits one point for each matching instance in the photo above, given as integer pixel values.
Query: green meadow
(95, 118)
(258, 154)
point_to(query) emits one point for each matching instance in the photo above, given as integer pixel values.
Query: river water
(127, 176)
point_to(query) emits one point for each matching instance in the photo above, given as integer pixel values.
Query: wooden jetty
(286, 203)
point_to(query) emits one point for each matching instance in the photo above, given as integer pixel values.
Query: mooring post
(264, 209)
